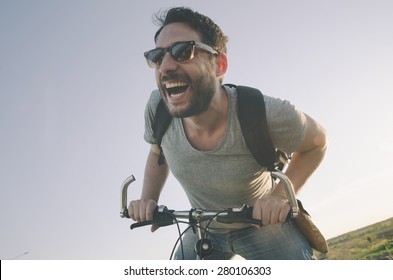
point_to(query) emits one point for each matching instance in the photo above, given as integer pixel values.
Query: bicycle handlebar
(163, 216)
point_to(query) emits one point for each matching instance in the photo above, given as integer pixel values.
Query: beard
(202, 89)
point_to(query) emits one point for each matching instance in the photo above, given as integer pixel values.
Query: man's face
(188, 87)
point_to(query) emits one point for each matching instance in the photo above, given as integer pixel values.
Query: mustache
(175, 76)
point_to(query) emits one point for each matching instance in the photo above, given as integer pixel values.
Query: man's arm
(307, 157)
(154, 179)
(274, 208)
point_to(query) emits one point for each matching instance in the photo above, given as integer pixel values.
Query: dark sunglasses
(180, 52)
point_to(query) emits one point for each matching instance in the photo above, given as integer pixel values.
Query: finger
(284, 214)
(142, 212)
(132, 210)
(274, 216)
(150, 208)
(266, 215)
(278, 214)
(257, 212)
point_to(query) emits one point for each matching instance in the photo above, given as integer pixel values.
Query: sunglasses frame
(193, 44)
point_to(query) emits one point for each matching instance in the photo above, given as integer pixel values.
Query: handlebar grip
(244, 215)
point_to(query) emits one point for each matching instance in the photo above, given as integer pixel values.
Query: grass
(374, 242)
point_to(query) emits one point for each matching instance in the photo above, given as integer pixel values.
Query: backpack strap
(252, 118)
(161, 123)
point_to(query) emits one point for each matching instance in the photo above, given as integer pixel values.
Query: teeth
(176, 84)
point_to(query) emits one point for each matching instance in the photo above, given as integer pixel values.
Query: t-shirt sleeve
(286, 124)
(150, 112)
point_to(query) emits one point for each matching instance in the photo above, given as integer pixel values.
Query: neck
(214, 117)
(207, 130)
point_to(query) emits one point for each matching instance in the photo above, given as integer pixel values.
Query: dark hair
(211, 34)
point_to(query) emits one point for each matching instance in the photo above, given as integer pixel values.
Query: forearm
(154, 177)
(303, 165)
(307, 158)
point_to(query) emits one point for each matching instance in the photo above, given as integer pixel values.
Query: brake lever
(141, 224)
(153, 222)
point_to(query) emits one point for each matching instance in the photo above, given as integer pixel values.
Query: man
(205, 150)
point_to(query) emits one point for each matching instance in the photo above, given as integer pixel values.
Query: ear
(221, 65)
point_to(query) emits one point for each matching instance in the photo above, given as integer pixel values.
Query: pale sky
(73, 88)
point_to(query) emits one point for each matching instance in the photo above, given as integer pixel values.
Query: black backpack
(252, 118)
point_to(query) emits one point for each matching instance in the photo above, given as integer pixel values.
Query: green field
(374, 242)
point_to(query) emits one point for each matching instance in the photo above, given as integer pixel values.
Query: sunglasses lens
(154, 57)
(182, 51)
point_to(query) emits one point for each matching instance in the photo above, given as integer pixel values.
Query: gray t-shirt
(227, 176)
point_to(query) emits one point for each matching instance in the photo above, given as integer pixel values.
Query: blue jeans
(272, 242)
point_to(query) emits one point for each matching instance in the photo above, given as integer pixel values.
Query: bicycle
(196, 217)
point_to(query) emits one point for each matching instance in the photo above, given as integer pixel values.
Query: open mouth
(176, 88)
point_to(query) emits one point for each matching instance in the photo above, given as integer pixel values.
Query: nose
(168, 64)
